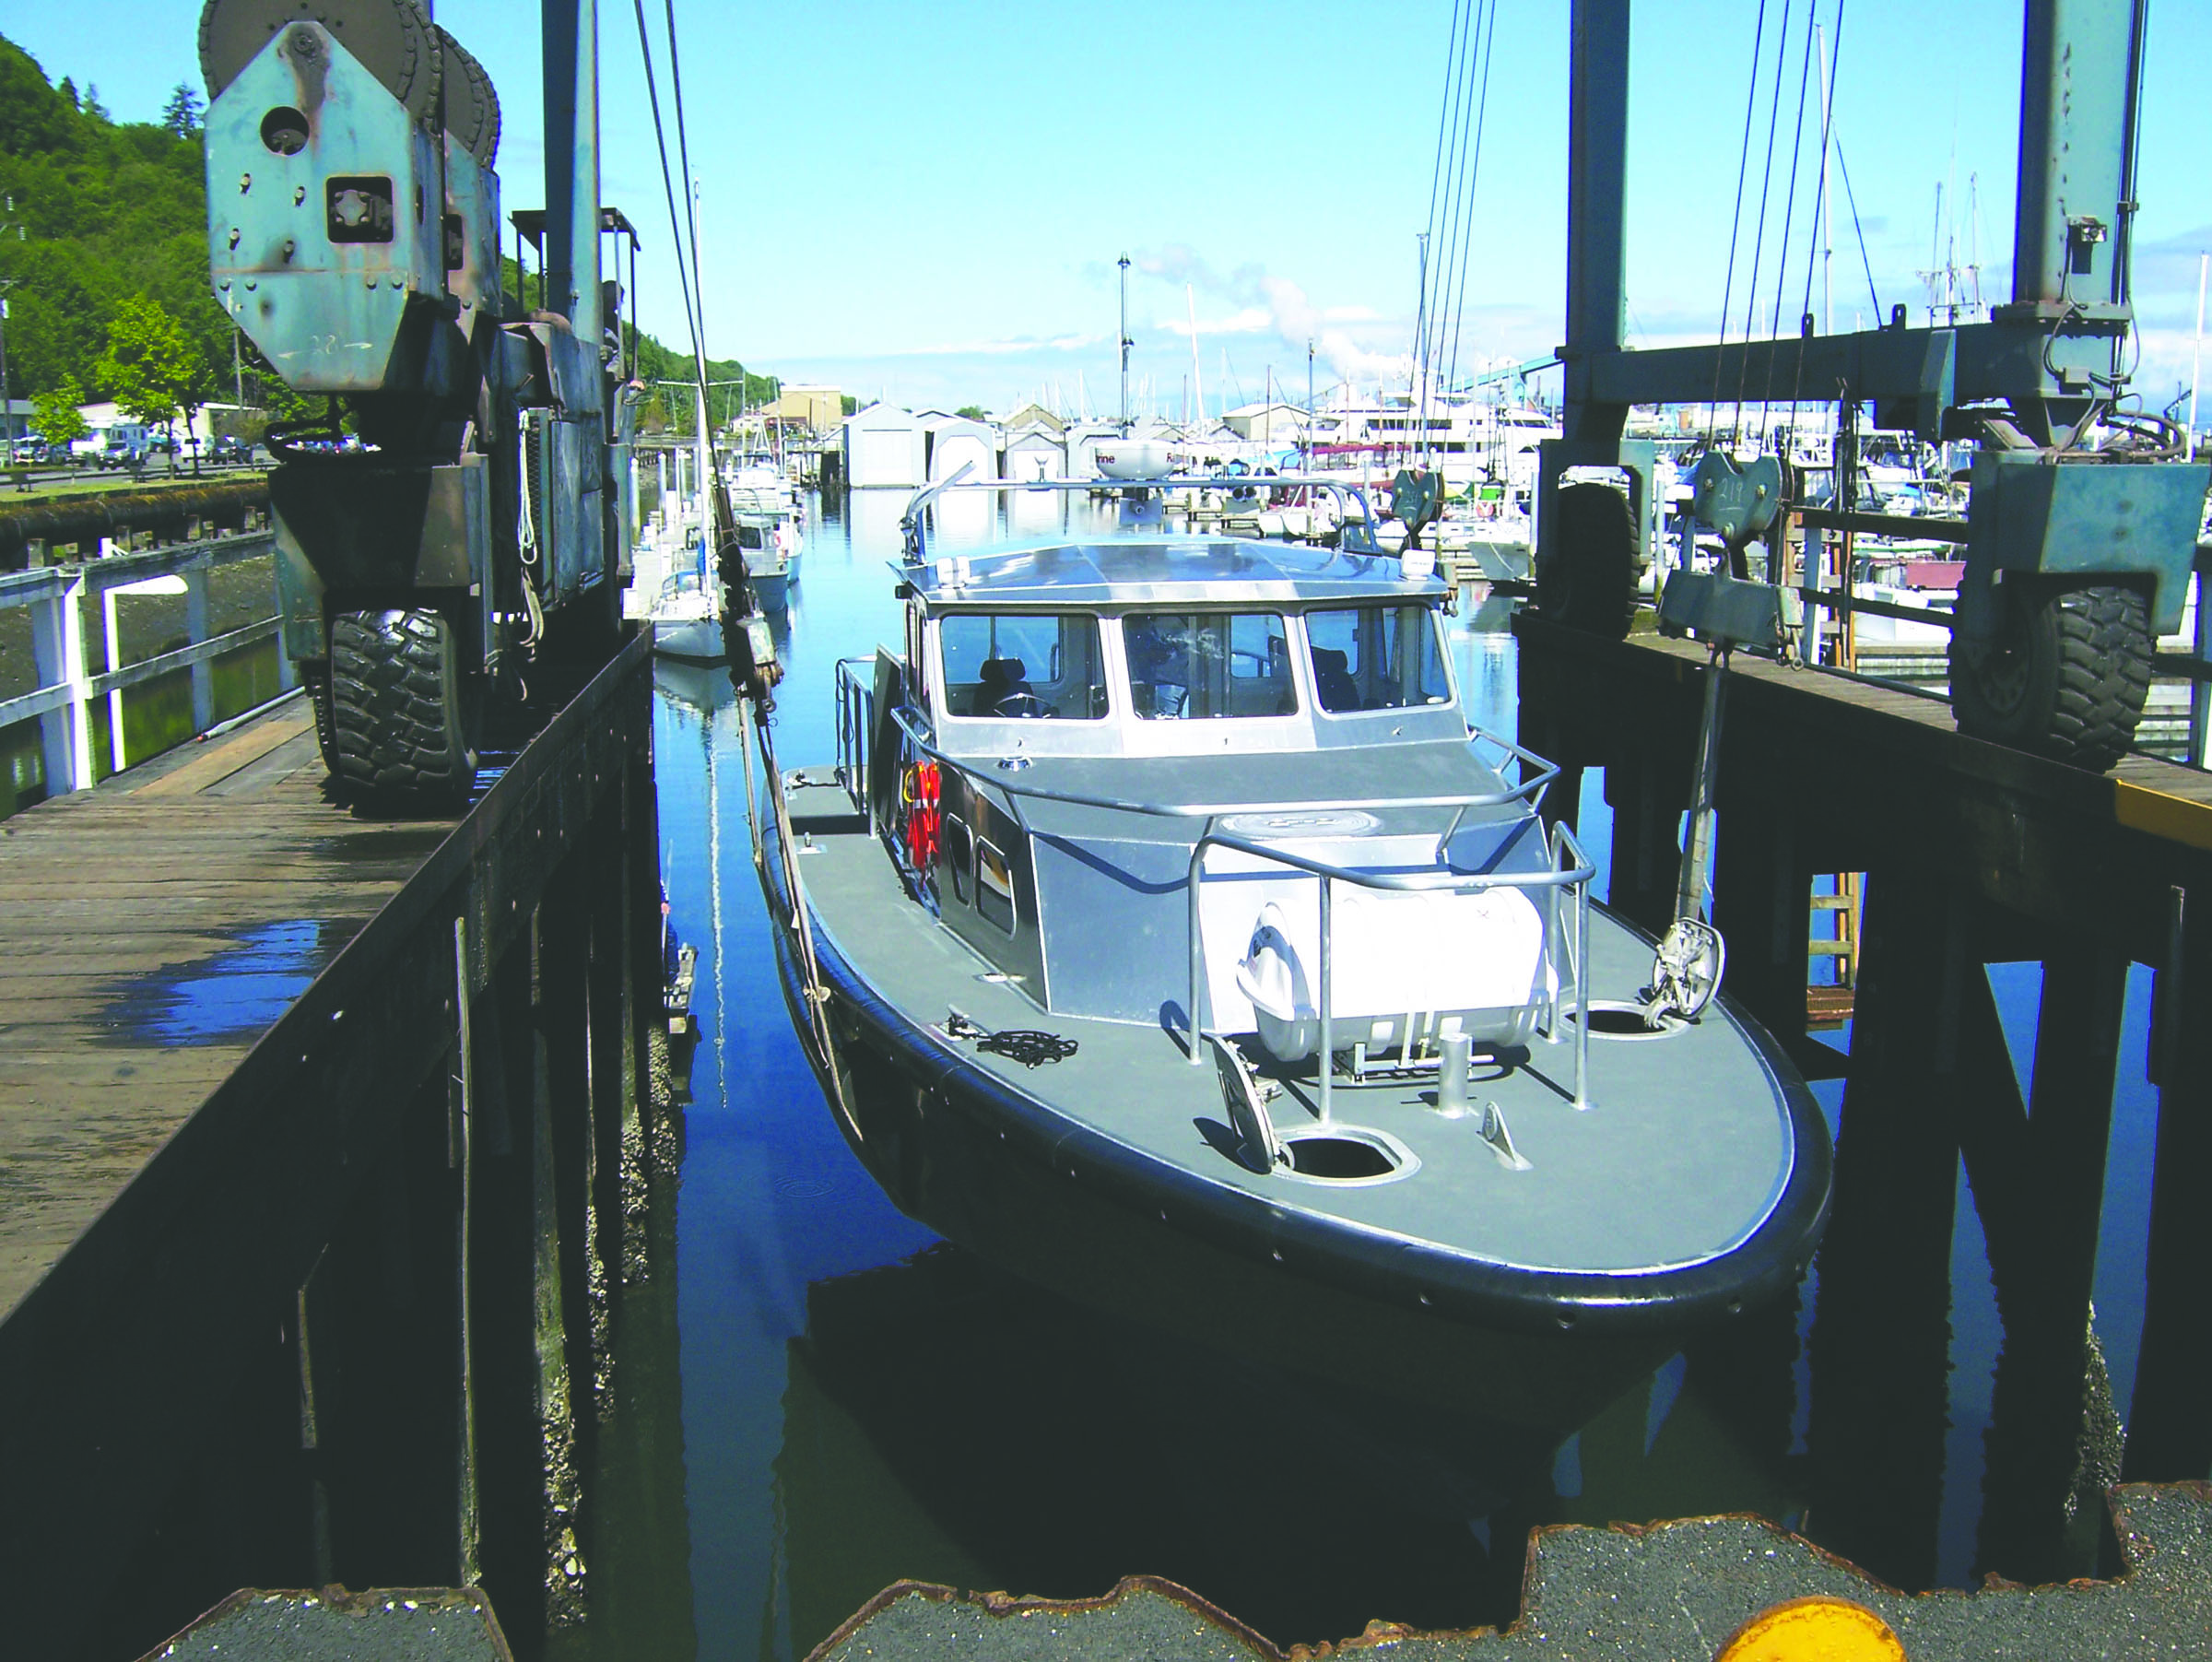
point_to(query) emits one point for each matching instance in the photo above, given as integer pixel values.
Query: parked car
(123, 446)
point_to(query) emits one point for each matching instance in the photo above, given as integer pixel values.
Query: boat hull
(692, 639)
(773, 589)
(995, 1169)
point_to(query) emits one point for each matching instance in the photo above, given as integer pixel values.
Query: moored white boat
(674, 591)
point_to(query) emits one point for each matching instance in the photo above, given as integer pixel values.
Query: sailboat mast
(1189, 301)
(704, 445)
(1827, 295)
(1309, 402)
(2196, 349)
(1419, 388)
(1124, 263)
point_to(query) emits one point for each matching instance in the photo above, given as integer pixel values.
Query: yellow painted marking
(1814, 1629)
(2174, 817)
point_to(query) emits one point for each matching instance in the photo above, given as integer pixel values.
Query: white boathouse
(955, 442)
(1036, 445)
(884, 447)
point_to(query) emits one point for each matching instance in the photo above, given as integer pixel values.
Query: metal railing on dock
(62, 600)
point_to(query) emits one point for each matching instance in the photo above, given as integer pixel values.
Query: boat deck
(1695, 1123)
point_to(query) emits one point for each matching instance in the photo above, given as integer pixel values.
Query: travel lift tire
(397, 708)
(317, 679)
(2065, 677)
(1589, 582)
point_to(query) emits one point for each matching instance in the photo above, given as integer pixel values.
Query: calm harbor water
(842, 1400)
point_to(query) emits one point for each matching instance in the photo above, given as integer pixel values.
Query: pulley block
(472, 106)
(394, 39)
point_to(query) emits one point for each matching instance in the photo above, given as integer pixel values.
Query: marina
(790, 1294)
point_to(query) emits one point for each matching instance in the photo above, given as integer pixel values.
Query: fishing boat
(676, 591)
(1162, 929)
(770, 541)
(758, 484)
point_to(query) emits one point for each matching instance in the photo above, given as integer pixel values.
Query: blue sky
(926, 202)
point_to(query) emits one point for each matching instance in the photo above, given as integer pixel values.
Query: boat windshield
(1023, 666)
(1196, 665)
(1375, 657)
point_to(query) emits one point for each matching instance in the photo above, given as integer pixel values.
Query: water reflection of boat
(703, 688)
(1115, 783)
(701, 691)
(947, 1423)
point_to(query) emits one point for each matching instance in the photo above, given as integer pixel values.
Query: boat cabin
(1144, 647)
(1086, 728)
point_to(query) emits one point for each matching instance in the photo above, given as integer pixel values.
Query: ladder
(1831, 1004)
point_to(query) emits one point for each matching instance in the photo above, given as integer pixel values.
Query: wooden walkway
(150, 930)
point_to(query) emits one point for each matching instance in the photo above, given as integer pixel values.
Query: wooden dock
(1970, 854)
(130, 916)
(299, 1283)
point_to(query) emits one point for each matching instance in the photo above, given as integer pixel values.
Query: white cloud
(975, 348)
(1357, 344)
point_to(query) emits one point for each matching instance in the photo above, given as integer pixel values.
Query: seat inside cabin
(998, 680)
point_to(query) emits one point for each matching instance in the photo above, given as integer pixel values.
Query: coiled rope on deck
(1027, 1045)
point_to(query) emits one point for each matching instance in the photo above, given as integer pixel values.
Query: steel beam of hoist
(571, 63)
(2044, 354)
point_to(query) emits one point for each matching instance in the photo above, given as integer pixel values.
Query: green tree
(973, 412)
(180, 115)
(151, 369)
(56, 414)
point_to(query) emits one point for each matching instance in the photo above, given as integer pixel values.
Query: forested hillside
(96, 214)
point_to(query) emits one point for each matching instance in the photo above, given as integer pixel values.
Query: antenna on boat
(1126, 343)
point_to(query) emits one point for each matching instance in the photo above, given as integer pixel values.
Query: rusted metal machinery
(459, 498)
(2081, 531)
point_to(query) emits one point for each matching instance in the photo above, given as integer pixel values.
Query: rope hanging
(1789, 210)
(1736, 222)
(1759, 240)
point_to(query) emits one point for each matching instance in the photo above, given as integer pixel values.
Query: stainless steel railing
(1561, 845)
(1529, 790)
(855, 716)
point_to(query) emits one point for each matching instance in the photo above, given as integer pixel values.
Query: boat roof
(1136, 571)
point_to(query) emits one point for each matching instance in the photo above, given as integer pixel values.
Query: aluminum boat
(1162, 930)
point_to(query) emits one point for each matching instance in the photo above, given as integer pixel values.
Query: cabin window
(960, 857)
(993, 884)
(1185, 665)
(1376, 657)
(1023, 666)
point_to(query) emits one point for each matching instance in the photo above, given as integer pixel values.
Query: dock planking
(150, 930)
